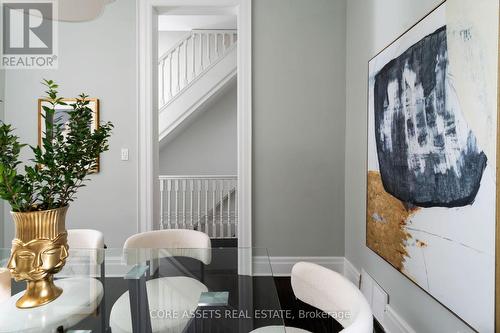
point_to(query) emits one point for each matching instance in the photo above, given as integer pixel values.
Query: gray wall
(299, 126)
(167, 39)
(299, 119)
(98, 57)
(373, 24)
(208, 146)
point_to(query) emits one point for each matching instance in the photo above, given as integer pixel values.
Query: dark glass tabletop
(152, 290)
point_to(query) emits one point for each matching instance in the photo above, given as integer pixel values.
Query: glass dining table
(152, 290)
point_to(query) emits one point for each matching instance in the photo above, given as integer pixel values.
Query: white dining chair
(85, 239)
(172, 294)
(86, 248)
(331, 293)
(87, 245)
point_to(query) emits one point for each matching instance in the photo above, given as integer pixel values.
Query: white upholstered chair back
(86, 248)
(167, 243)
(334, 294)
(85, 239)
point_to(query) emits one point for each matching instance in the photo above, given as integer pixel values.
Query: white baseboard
(351, 273)
(393, 323)
(282, 266)
(115, 266)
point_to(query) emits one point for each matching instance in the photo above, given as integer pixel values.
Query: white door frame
(147, 87)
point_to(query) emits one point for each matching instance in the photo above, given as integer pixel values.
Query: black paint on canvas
(408, 174)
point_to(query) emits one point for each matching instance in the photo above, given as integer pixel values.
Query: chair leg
(141, 319)
(202, 272)
(104, 319)
(148, 272)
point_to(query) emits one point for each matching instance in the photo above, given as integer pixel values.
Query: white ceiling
(190, 22)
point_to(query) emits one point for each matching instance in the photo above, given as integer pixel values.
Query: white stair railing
(204, 203)
(189, 59)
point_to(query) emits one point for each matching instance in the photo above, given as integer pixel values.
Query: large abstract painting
(432, 155)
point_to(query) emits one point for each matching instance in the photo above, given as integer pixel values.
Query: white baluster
(229, 190)
(177, 219)
(178, 69)
(169, 192)
(191, 190)
(162, 210)
(184, 204)
(216, 45)
(201, 53)
(208, 49)
(186, 62)
(170, 77)
(214, 195)
(194, 57)
(198, 218)
(162, 73)
(221, 207)
(206, 206)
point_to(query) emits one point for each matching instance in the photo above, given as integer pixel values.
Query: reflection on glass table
(153, 290)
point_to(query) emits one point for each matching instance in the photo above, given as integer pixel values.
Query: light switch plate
(124, 154)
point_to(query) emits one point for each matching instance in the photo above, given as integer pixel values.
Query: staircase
(191, 74)
(204, 203)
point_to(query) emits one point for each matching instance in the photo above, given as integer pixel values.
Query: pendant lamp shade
(80, 10)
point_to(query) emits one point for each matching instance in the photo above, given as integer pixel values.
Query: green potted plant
(40, 192)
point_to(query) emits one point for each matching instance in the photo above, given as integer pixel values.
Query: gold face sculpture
(39, 251)
(38, 258)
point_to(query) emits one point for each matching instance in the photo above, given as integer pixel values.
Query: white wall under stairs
(207, 144)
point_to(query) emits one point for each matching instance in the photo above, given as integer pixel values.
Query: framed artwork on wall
(61, 116)
(433, 153)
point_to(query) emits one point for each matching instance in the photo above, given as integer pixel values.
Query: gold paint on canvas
(386, 218)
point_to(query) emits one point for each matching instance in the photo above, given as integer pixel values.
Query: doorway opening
(194, 69)
(197, 103)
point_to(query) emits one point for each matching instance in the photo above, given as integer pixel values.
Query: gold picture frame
(93, 105)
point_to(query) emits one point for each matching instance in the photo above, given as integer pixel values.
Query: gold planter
(38, 252)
